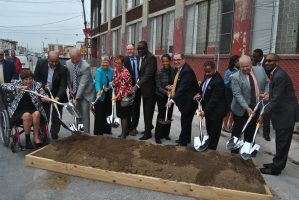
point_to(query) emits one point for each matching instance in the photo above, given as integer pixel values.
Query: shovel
(165, 121)
(248, 149)
(113, 120)
(235, 143)
(201, 142)
(92, 108)
(69, 106)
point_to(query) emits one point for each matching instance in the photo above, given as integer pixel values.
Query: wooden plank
(145, 182)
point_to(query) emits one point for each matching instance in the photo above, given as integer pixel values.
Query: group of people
(229, 101)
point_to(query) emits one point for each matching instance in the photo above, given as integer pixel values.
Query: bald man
(81, 86)
(53, 76)
(248, 84)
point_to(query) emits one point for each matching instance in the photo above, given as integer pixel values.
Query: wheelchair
(10, 132)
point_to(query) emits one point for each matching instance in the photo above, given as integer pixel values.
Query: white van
(24, 61)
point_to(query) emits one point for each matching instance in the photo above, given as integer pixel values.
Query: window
(161, 30)
(103, 44)
(103, 11)
(95, 16)
(202, 27)
(263, 26)
(287, 40)
(115, 42)
(133, 33)
(116, 8)
(227, 15)
(133, 3)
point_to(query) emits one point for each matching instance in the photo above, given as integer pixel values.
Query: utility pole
(85, 26)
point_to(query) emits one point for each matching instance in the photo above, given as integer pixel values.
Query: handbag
(127, 100)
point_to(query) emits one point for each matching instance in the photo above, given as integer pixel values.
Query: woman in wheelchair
(26, 107)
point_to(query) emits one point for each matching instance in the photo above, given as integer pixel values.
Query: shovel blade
(113, 122)
(72, 110)
(247, 152)
(234, 143)
(201, 145)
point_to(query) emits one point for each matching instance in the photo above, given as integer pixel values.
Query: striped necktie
(75, 83)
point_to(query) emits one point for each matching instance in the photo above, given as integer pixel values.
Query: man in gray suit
(81, 87)
(248, 85)
(283, 110)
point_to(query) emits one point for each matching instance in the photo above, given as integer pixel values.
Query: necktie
(252, 91)
(134, 68)
(75, 79)
(1, 74)
(175, 83)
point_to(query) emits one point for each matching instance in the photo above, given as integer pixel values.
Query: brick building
(202, 29)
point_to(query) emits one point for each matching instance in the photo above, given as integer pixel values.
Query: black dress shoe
(181, 144)
(38, 145)
(167, 138)
(145, 137)
(54, 136)
(267, 138)
(158, 141)
(270, 171)
(269, 165)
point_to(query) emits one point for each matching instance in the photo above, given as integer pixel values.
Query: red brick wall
(289, 63)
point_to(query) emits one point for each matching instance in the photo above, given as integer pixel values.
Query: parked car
(24, 61)
(63, 60)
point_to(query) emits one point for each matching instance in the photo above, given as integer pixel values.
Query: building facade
(8, 44)
(201, 29)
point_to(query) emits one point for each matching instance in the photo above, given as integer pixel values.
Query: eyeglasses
(269, 60)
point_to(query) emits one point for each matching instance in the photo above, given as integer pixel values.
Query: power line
(62, 29)
(38, 33)
(34, 2)
(43, 24)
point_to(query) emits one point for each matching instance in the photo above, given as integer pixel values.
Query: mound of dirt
(210, 168)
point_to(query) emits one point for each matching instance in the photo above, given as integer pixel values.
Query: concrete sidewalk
(20, 182)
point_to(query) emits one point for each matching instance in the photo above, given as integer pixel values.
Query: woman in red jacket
(123, 88)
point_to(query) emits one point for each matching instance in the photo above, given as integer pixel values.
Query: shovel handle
(55, 104)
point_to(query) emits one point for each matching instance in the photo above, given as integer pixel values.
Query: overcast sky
(32, 22)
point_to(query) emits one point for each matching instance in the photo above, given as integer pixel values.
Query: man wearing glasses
(53, 76)
(283, 110)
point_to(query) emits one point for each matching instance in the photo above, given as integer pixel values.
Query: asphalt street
(17, 181)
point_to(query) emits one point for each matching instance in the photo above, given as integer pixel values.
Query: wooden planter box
(144, 182)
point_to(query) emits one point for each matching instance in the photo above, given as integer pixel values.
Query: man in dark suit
(283, 109)
(8, 71)
(259, 61)
(132, 64)
(147, 85)
(212, 94)
(184, 88)
(53, 76)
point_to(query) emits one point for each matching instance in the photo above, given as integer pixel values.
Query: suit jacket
(214, 102)
(59, 80)
(101, 80)
(147, 72)
(282, 102)
(241, 89)
(18, 94)
(186, 89)
(9, 71)
(127, 64)
(85, 88)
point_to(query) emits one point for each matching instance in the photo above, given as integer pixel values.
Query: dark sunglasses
(269, 60)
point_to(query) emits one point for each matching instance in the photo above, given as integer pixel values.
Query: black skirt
(25, 105)
(123, 112)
